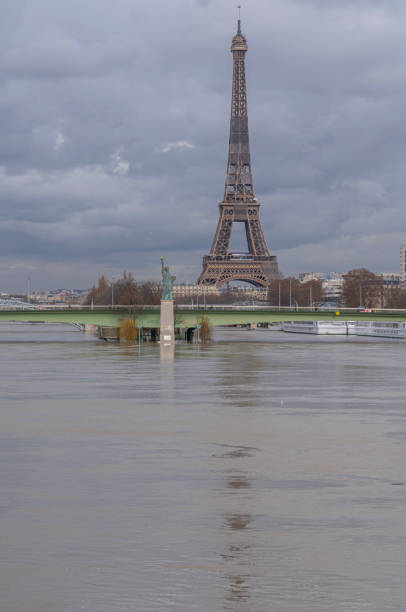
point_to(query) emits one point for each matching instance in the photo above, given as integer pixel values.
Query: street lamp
(113, 280)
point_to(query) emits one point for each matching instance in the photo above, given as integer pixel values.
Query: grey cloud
(123, 82)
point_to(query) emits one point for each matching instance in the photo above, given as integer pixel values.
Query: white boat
(316, 327)
(379, 329)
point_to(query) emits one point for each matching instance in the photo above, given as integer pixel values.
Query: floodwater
(263, 472)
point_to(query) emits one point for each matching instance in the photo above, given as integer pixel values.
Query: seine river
(263, 472)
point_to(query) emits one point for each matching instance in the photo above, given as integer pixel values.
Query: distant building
(306, 277)
(403, 263)
(332, 287)
(250, 293)
(57, 296)
(188, 292)
(331, 284)
(390, 279)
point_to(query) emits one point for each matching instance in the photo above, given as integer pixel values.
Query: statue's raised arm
(167, 282)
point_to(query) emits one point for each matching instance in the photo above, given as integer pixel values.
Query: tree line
(291, 292)
(361, 288)
(124, 291)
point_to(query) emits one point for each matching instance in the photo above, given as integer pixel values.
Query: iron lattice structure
(257, 266)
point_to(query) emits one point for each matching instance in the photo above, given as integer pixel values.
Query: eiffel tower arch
(256, 266)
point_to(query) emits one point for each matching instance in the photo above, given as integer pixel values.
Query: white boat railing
(388, 329)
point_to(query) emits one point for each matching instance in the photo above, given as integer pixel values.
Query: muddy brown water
(264, 471)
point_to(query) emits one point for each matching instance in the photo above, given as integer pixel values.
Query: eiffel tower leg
(256, 236)
(221, 242)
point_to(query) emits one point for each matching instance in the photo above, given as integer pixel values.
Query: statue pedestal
(167, 330)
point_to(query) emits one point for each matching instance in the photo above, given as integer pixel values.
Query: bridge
(10, 303)
(189, 316)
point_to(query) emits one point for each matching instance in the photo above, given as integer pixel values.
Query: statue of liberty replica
(167, 282)
(167, 329)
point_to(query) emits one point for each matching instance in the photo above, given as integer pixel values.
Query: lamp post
(29, 289)
(360, 295)
(113, 280)
(290, 293)
(279, 296)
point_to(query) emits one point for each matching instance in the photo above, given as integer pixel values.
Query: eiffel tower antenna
(256, 266)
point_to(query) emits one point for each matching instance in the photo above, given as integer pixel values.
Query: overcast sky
(114, 118)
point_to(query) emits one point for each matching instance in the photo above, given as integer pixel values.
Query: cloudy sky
(114, 121)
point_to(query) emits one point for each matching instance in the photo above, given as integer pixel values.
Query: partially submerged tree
(128, 331)
(205, 332)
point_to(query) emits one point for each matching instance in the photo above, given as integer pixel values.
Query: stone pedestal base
(92, 329)
(167, 330)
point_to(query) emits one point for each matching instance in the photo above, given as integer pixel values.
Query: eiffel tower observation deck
(256, 266)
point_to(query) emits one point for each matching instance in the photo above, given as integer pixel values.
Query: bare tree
(290, 291)
(363, 288)
(395, 297)
(126, 290)
(98, 294)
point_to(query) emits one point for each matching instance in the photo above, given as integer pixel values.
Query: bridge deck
(148, 317)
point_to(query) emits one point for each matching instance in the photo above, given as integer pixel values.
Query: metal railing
(8, 305)
(79, 307)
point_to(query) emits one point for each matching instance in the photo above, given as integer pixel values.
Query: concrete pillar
(167, 352)
(109, 333)
(167, 330)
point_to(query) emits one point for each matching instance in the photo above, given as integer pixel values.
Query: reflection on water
(237, 554)
(167, 352)
(256, 473)
(234, 452)
(239, 378)
(238, 481)
(238, 559)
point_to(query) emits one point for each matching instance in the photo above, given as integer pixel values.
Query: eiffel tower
(257, 266)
